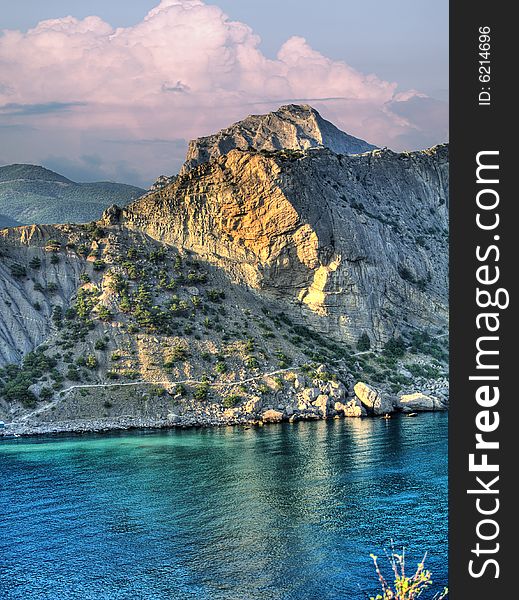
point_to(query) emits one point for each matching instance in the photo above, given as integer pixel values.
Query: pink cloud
(185, 70)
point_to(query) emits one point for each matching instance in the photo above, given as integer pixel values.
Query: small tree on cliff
(363, 343)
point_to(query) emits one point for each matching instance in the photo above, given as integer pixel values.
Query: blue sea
(283, 512)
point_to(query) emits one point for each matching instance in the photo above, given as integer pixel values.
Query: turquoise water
(286, 512)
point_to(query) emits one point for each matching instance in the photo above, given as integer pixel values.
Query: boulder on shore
(374, 402)
(253, 405)
(272, 416)
(353, 408)
(336, 390)
(419, 402)
(325, 405)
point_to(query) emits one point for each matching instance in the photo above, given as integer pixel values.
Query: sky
(114, 90)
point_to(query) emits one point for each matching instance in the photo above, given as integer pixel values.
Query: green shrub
(279, 382)
(96, 232)
(178, 352)
(125, 305)
(20, 393)
(35, 262)
(131, 374)
(283, 360)
(57, 316)
(18, 271)
(201, 391)
(215, 295)
(395, 347)
(197, 277)
(364, 343)
(73, 373)
(46, 394)
(232, 400)
(16, 380)
(117, 283)
(132, 271)
(220, 367)
(324, 376)
(426, 371)
(179, 389)
(157, 256)
(91, 361)
(104, 314)
(85, 302)
(99, 265)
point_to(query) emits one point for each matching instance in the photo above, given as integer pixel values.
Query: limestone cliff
(28, 294)
(291, 127)
(246, 285)
(353, 243)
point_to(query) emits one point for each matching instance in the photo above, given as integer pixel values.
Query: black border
(476, 128)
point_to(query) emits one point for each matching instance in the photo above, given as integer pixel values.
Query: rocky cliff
(259, 283)
(28, 294)
(353, 244)
(291, 127)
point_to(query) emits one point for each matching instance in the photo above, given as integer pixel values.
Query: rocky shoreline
(327, 400)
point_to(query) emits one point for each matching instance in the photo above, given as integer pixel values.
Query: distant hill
(32, 194)
(6, 221)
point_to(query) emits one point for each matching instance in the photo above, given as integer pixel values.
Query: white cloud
(185, 70)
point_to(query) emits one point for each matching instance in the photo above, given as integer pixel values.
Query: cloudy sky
(113, 90)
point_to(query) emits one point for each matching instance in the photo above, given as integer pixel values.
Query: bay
(284, 512)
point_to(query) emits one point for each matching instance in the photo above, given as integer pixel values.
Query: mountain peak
(291, 127)
(296, 108)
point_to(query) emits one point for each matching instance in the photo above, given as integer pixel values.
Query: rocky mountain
(32, 194)
(257, 285)
(350, 244)
(291, 127)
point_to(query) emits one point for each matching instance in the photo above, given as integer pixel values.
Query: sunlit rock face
(351, 243)
(344, 243)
